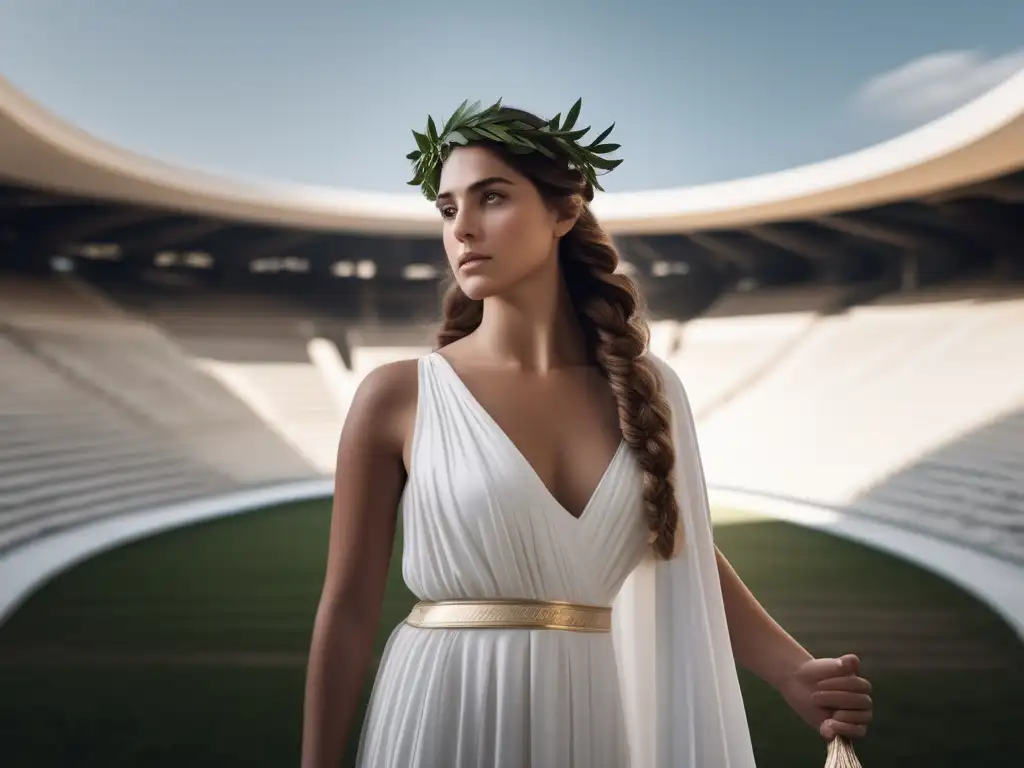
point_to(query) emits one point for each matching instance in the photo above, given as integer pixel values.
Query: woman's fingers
(842, 700)
(849, 683)
(832, 728)
(852, 724)
(852, 716)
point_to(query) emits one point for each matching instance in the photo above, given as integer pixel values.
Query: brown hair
(609, 309)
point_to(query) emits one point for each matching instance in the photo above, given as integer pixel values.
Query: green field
(189, 649)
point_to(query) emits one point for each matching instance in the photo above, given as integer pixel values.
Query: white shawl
(679, 683)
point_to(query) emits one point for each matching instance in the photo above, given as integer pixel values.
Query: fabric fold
(680, 688)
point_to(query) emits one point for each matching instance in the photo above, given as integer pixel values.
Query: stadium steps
(371, 347)
(132, 496)
(69, 456)
(257, 349)
(720, 358)
(742, 337)
(129, 362)
(901, 411)
(101, 414)
(149, 378)
(293, 398)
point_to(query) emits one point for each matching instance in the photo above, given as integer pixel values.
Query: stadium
(178, 351)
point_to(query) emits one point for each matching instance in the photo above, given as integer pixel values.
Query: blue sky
(325, 93)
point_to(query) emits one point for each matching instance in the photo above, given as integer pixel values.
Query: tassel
(841, 754)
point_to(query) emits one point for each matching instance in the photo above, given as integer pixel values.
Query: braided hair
(609, 309)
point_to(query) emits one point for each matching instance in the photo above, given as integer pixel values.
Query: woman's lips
(471, 260)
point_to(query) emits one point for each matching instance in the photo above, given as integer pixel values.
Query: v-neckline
(475, 402)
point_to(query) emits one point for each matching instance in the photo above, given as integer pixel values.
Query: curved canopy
(980, 141)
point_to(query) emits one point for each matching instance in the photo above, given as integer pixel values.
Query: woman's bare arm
(369, 480)
(828, 693)
(759, 644)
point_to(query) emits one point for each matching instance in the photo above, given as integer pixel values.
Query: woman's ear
(564, 224)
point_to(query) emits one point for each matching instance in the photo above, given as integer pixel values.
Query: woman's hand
(830, 696)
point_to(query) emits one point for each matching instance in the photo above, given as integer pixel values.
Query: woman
(575, 611)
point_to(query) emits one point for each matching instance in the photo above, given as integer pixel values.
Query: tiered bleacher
(101, 415)
(257, 348)
(740, 337)
(374, 347)
(906, 410)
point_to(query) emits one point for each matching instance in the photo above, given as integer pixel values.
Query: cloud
(933, 85)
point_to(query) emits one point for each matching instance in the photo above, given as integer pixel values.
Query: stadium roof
(982, 140)
(951, 191)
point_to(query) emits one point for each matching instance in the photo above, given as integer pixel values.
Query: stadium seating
(101, 414)
(372, 347)
(905, 411)
(258, 349)
(741, 336)
(68, 454)
(908, 409)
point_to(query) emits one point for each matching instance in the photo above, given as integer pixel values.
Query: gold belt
(510, 614)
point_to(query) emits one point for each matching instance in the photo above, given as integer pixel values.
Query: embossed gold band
(510, 614)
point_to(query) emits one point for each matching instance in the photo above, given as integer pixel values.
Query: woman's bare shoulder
(384, 403)
(390, 384)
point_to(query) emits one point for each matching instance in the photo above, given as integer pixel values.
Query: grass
(189, 649)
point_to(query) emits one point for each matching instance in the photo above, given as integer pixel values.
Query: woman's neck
(533, 327)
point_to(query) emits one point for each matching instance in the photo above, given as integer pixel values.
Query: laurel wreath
(470, 123)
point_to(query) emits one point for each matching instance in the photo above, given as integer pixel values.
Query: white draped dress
(660, 690)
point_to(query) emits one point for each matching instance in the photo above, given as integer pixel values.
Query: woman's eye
(448, 211)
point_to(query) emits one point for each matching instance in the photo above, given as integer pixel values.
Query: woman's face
(498, 230)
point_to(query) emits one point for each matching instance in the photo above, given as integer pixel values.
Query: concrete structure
(980, 142)
(919, 206)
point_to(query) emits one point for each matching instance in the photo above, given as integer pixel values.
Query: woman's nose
(466, 226)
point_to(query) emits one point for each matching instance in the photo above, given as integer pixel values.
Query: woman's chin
(478, 287)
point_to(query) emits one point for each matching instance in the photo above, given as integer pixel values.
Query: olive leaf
(554, 139)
